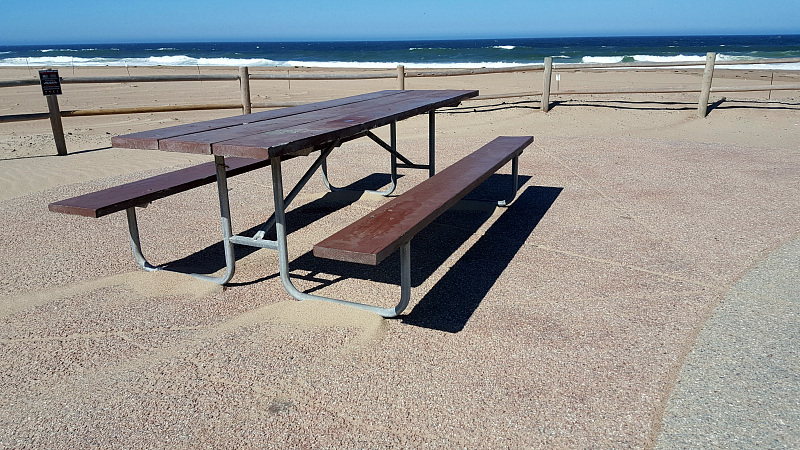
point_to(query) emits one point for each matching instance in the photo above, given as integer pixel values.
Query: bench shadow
(430, 248)
(449, 305)
(451, 302)
(212, 258)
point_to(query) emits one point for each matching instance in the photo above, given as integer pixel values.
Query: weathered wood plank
(118, 198)
(348, 123)
(201, 142)
(148, 140)
(377, 235)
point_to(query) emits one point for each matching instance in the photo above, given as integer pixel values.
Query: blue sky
(117, 21)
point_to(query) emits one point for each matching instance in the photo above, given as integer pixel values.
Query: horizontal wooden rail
(660, 90)
(123, 79)
(400, 74)
(393, 74)
(17, 83)
(321, 76)
(148, 109)
(147, 79)
(23, 117)
(771, 87)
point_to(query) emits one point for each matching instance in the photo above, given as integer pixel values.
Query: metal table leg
(431, 143)
(283, 258)
(392, 148)
(225, 213)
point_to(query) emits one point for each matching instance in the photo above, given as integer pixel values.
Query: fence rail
(246, 105)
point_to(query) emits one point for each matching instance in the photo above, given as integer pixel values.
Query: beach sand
(561, 321)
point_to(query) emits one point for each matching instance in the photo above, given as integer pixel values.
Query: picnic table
(243, 143)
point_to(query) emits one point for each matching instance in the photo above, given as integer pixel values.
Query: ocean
(413, 54)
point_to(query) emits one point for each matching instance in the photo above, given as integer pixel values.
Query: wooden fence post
(548, 75)
(55, 123)
(244, 84)
(708, 75)
(401, 78)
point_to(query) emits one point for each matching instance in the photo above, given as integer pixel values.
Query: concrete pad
(740, 385)
(560, 321)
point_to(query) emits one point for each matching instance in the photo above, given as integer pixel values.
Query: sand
(562, 321)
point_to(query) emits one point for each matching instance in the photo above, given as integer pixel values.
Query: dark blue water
(441, 53)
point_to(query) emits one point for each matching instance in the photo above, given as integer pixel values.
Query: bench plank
(372, 238)
(118, 198)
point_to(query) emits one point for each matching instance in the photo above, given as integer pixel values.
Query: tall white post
(548, 75)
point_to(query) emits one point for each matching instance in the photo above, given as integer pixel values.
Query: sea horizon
(384, 54)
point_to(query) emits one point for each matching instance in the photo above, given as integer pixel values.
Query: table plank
(351, 121)
(201, 142)
(149, 140)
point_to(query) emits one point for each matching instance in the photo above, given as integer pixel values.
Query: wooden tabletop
(282, 131)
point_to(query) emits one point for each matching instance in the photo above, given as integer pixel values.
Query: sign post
(51, 88)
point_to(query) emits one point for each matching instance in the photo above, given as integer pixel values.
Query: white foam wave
(179, 60)
(679, 58)
(251, 62)
(183, 60)
(392, 65)
(505, 47)
(643, 58)
(602, 59)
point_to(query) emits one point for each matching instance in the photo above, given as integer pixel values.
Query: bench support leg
(225, 213)
(283, 258)
(431, 143)
(136, 246)
(514, 182)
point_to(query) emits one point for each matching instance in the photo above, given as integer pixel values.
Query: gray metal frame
(283, 257)
(391, 147)
(278, 220)
(227, 232)
(514, 182)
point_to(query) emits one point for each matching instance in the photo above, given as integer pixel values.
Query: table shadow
(450, 303)
(212, 258)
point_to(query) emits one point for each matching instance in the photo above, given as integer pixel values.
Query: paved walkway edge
(740, 385)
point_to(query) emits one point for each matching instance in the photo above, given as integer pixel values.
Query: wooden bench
(140, 193)
(377, 235)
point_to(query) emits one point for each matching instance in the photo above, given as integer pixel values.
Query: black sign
(51, 84)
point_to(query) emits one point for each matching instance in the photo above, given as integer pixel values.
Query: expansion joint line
(611, 262)
(613, 201)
